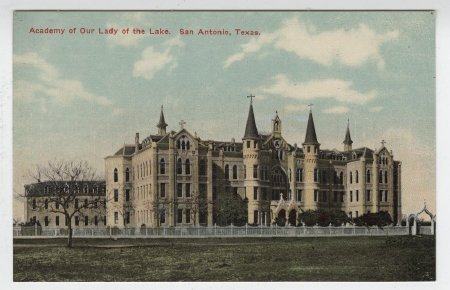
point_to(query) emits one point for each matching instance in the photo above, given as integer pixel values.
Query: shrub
(308, 217)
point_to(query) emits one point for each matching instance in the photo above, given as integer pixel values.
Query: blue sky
(83, 96)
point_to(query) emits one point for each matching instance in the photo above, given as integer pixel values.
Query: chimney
(136, 141)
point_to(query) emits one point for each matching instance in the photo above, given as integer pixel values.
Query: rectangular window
(162, 216)
(188, 216)
(46, 221)
(116, 195)
(96, 220)
(357, 195)
(57, 204)
(255, 171)
(57, 220)
(299, 195)
(188, 190)
(180, 216)
(104, 220)
(162, 190)
(77, 220)
(248, 144)
(385, 195)
(179, 190)
(315, 195)
(86, 220)
(116, 217)
(351, 196)
(380, 195)
(324, 196)
(255, 217)
(335, 197)
(315, 174)
(127, 194)
(356, 214)
(127, 217)
(264, 193)
(368, 195)
(76, 203)
(255, 193)
(342, 197)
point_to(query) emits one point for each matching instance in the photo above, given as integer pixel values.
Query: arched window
(380, 177)
(385, 177)
(162, 166)
(34, 203)
(227, 171)
(183, 145)
(341, 178)
(46, 204)
(357, 176)
(202, 167)
(245, 172)
(116, 175)
(178, 144)
(179, 166)
(351, 177)
(187, 167)
(142, 175)
(127, 174)
(368, 176)
(234, 171)
(188, 145)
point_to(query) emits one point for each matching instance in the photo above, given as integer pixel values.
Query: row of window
(76, 189)
(85, 220)
(86, 203)
(321, 196)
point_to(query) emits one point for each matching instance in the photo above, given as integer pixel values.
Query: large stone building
(45, 201)
(161, 179)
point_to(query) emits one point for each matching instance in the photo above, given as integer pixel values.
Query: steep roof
(311, 137)
(162, 122)
(251, 132)
(348, 139)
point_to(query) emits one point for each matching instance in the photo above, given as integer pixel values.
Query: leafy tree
(382, 218)
(308, 217)
(66, 181)
(230, 208)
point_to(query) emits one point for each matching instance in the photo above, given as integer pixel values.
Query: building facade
(174, 178)
(45, 202)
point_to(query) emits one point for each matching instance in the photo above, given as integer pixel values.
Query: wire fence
(217, 231)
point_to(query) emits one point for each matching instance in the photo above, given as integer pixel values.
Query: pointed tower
(251, 156)
(276, 126)
(162, 125)
(348, 140)
(311, 150)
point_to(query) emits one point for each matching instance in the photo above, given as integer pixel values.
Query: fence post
(215, 228)
(276, 229)
(231, 228)
(35, 229)
(246, 229)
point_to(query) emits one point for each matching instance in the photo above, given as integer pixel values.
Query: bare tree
(198, 205)
(70, 188)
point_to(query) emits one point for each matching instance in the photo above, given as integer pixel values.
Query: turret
(276, 126)
(136, 142)
(162, 125)
(311, 149)
(348, 140)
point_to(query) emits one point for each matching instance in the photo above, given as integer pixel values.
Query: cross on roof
(182, 123)
(383, 142)
(310, 106)
(251, 98)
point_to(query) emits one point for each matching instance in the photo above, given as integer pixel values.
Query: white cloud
(376, 109)
(51, 85)
(337, 89)
(351, 47)
(153, 61)
(336, 110)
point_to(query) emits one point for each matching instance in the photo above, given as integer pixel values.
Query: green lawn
(228, 259)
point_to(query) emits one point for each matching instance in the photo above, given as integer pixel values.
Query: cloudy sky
(82, 96)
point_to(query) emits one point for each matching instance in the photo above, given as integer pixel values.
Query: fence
(216, 231)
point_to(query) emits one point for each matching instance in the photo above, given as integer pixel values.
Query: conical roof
(311, 137)
(162, 122)
(250, 129)
(348, 139)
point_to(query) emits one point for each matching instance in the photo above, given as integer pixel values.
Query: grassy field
(228, 259)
